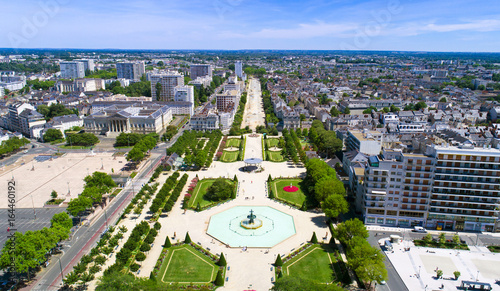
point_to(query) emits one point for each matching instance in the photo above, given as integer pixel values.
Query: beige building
(168, 83)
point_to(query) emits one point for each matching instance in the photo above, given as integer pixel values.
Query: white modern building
(88, 64)
(366, 142)
(81, 85)
(238, 68)
(72, 70)
(11, 81)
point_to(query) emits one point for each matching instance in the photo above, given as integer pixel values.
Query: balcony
(468, 194)
(466, 206)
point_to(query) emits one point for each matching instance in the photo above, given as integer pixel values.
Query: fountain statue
(251, 222)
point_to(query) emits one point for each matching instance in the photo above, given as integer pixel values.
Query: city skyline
(445, 26)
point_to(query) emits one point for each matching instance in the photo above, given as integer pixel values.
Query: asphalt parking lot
(25, 220)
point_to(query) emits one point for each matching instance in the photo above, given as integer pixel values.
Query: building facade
(130, 70)
(72, 70)
(168, 83)
(197, 71)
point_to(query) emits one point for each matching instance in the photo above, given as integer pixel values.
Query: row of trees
(128, 139)
(12, 144)
(102, 74)
(321, 181)
(290, 149)
(137, 89)
(40, 85)
(325, 140)
(31, 249)
(143, 195)
(81, 139)
(238, 118)
(175, 194)
(267, 103)
(196, 150)
(365, 260)
(147, 143)
(95, 186)
(162, 195)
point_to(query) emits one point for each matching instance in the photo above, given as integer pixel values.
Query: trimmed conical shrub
(152, 277)
(278, 262)
(280, 274)
(198, 207)
(314, 239)
(222, 261)
(235, 178)
(167, 243)
(219, 281)
(187, 239)
(269, 179)
(304, 206)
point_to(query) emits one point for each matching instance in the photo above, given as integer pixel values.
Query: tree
(366, 261)
(439, 273)
(167, 243)
(314, 239)
(420, 105)
(442, 238)
(349, 229)
(334, 111)
(219, 190)
(61, 219)
(187, 239)
(443, 100)
(219, 281)
(100, 180)
(78, 205)
(334, 205)
(140, 257)
(278, 262)
(394, 108)
(456, 274)
(135, 155)
(328, 186)
(53, 194)
(427, 238)
(456, 239)
(52, 134)
(347, 110)
(158, 88)
(222, 261)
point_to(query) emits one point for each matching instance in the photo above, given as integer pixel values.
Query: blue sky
(409, 25)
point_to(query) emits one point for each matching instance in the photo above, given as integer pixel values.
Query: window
(370, 220)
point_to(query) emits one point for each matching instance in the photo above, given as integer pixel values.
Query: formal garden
(289, 191)
(232, 149)
(210, 192)
(314, 262)
(189, 264)
(273, 148)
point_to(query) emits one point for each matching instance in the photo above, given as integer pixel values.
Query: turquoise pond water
(276, 227)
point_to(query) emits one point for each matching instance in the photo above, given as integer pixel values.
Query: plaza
(36, 176)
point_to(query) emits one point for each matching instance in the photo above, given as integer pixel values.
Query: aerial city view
(250, 145)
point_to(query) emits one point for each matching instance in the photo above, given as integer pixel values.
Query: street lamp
(102, 165)
(477, 276)
(33, 204)
(69, 192)
(419, 271)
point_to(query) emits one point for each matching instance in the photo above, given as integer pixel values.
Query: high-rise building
(184, 94)
(201, 71)
(168, 83)
(130, 70)
(447, 188)
(238, 68)
(72, 70)
(88, 64)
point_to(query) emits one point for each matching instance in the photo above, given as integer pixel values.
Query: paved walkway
(254, 110)
(251, 269)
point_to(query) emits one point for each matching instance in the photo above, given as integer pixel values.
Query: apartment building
(88, 64)
(72, 70)
(168, 83)
(450, 187)
(368, 142)
(197, 71)
(130, 70)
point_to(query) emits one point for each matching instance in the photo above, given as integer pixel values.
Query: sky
(394, 25)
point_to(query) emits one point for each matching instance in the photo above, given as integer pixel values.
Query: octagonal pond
(276, 227)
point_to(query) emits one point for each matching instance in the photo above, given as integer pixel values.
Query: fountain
(264, 227)
(251, 222)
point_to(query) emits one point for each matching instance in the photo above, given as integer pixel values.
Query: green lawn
(199, 193)
(64, 147)
(296, 198)
(233, 142)
(274, 156)
(272, 142)
(184, 264)
(314, 263)
(229, 157)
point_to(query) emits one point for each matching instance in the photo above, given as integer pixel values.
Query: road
(86, 237)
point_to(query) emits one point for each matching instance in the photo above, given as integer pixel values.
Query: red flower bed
(290, 188)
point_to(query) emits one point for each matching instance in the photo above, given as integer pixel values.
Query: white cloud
(412, 29)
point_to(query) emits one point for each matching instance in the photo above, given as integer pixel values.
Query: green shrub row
(163, 193)
(175, 194)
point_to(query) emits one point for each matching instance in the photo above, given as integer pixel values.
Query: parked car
(419, 229)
